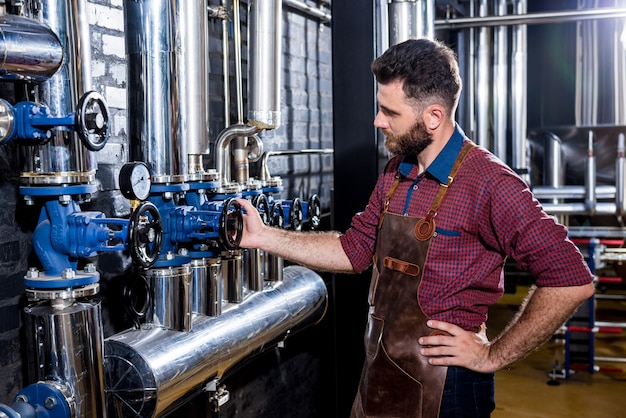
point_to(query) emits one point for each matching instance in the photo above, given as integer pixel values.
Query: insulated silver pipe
(29, 50)
(69, 343)
(519, 95)
(483, 91)
(152, 371)
(64, 153)
(166, 46)
(532, 18)
(500, 84)
(553, 165)
(303, 7)
(620, 176)
(590, 177)
(410, 19)
(265, 63)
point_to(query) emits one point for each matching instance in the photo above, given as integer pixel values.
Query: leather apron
(397, 381)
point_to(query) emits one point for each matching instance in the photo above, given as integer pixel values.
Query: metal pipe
(483, 90)
(223, 140)
(29, 50)
(590, 177)
(265, 63)
(403, 21)
(303, 7)
(532, 18)
(519, 95)
(500, 85)
(572, 192)
(165, 46)
(64, 153)
(265, 173)
(620, 176)
(155, 370)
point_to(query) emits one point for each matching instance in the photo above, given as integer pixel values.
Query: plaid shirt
(488, 214)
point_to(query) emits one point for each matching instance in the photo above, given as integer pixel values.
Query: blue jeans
(467, 394)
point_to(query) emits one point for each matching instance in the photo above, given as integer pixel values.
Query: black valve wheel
(295, 214)
(261, 204)
(315, 212)
(231, 224)
(92, 121)
(145, 235)
(277, 216)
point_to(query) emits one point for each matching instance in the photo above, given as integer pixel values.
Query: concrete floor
(522, 389)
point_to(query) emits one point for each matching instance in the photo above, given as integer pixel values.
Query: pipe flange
(68, 294)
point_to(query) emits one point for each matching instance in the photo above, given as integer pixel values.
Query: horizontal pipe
(265, 173)
(310, 10)
(28, 49)
(532, 18)
(572, 192)
(155, 370)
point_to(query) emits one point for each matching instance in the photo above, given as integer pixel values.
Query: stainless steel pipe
(29, 49)
(265, 63)
(152, 371)
(167, 82)
(64, 159)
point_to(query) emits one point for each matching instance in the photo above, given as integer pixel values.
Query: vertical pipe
(410, 19)
(71, 346)
(265, 63)
(500, 84)
(553, 165)
(620, 179)
(619, 70)
(482, 81)
(65, 153)
(165, 46)
(519, 95)
(590, 177)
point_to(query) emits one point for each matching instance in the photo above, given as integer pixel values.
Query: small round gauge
(135, 180)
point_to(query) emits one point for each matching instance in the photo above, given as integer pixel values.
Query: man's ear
(434, 116)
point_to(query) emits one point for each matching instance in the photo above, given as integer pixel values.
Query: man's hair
(429, 71)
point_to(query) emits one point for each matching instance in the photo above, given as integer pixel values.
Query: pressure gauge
(135, 180)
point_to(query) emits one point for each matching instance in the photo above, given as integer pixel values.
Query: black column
(355, 170)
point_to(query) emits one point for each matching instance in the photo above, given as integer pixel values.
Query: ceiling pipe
(310, 10)
(532, 18)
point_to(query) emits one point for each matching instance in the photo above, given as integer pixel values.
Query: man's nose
(380, 121)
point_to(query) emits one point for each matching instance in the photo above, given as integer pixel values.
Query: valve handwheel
(315, 212)
(295, 214)
(145, 234)
(277, 217)
(231, 224)
(262, 205)
(92, 121)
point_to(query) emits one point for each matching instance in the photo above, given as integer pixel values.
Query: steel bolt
(90, 268)
(50, 402)
(68, 273)
(21, 398)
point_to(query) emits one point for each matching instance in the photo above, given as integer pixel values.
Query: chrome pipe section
(482, 83)
(619, 69)
(152, 371)
(573, 192)
(600, 208)
(207, 286)
(310, 10)
(29, 50)
(170, 292)
(167, 82)
(410, 19)
(265, 172)
(620, 177)
(223, 141)
(500, 84)
(586, 102)
(553, 164)
(519, 95)
(64, 152)
(69, 343)
(265, 63)
(532, 18)
(233, 276)
(590, 177)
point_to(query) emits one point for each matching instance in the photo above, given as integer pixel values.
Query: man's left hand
(458, 348)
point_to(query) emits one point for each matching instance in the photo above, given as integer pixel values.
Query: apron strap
(425, 228)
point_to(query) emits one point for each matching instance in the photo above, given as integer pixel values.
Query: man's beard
(410, 143)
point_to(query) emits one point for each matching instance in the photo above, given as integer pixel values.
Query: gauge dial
(135, 180)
